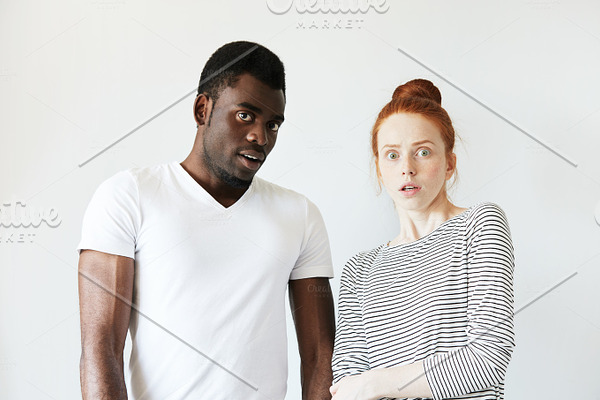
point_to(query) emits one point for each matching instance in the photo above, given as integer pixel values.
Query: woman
(430, 313)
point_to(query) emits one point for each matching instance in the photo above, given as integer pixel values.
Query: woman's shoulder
(485, 211)
(487, 217)
(368, 256)
(362, 259)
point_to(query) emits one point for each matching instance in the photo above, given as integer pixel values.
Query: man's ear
(202, 108)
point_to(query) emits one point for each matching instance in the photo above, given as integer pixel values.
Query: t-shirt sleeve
(482, 363)
(315, 254)
(350, 349)
(111, 221)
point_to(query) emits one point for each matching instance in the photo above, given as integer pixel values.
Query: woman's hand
(401, 381)
(356, 387)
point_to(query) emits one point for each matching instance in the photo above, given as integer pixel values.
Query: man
(195, 258)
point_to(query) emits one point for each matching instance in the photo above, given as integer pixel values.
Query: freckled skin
(411, 149)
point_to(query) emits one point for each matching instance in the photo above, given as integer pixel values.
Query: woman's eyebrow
(420, 142)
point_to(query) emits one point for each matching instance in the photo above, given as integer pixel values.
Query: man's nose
(258, 135)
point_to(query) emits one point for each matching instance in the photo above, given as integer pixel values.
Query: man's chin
(238, 179)
(237, 182)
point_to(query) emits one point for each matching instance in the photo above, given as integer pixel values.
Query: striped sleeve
(350, 350)
(483, 361)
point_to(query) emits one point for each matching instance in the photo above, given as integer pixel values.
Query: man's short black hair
(236, 58)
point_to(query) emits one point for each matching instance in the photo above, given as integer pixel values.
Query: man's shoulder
(134, 176)
(288, 202)
(265, 187)
(153, 171)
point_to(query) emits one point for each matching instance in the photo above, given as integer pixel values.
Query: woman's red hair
(418, 96)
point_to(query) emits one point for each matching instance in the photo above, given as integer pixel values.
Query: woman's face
(413, 162)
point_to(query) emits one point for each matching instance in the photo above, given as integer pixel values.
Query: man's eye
(274, 126)
(392, 156)
(423, 152)
(244, 116)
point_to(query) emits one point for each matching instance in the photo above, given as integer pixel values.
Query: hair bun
(418, 88)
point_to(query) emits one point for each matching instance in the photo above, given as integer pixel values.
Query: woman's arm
(401, 381)
(350, 349)
(482, 362)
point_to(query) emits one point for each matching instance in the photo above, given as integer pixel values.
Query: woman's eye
(244, 116)
(392, 155)
(423, 152)
(274, 126)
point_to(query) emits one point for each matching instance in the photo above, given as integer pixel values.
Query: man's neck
(223, 193)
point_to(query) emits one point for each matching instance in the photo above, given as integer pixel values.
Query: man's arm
(105, 293)
(311, 302)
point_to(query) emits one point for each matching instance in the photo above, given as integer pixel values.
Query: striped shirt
(446, 299)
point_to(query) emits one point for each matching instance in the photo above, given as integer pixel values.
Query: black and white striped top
(446, 298)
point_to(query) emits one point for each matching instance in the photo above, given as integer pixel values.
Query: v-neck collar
(197, 189)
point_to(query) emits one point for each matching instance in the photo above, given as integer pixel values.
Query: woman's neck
(414, 224)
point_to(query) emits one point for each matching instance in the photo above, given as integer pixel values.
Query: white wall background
(77, 75)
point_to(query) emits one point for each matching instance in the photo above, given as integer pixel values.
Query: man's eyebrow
(258, 110)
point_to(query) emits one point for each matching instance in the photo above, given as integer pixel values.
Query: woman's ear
(451, 167)
(202, 109)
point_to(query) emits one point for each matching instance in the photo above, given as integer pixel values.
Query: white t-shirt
(208, 320)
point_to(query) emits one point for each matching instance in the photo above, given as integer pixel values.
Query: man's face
(241, 130)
